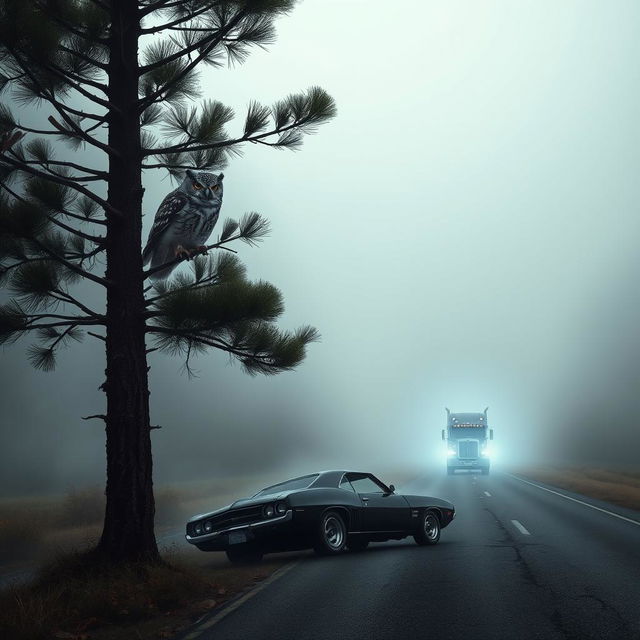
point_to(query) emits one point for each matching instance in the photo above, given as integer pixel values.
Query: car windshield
(289, 485)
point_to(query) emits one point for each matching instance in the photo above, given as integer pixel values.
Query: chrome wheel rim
(333, 532)
(431, 526)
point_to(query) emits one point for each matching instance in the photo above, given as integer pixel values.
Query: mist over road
(518, 562)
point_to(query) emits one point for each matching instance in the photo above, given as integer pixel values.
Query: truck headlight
(451, 452)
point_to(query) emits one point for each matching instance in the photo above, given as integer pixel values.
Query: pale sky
(463, 234)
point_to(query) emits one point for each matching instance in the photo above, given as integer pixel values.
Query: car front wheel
(429, 532)
(331, 536)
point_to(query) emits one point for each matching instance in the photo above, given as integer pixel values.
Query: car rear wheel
(331, 536)
(244, 556)
(429, 532)
(357, 543)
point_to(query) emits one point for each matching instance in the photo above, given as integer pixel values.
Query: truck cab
(467, 436)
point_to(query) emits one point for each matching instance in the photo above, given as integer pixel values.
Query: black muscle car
(326, 511)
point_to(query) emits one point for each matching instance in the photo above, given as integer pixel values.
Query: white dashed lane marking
(486, 493)
(520, 527)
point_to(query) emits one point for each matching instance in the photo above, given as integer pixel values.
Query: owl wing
(165, 215)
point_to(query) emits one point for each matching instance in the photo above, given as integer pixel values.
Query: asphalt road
(518, 562)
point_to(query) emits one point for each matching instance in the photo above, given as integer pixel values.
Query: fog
(463, 234)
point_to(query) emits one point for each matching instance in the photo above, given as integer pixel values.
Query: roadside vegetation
(77, 598)
(621, 487)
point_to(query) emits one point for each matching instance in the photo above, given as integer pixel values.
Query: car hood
(244, 502)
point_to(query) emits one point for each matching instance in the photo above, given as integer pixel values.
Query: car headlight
(268, 511)
(487, 453)
(281, 508)
(208, 526)
(451, 452)
(198, 528)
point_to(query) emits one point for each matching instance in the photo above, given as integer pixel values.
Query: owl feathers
(184, 221)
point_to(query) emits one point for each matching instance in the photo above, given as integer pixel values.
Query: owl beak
(209, 194)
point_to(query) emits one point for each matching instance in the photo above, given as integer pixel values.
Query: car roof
(326, 478)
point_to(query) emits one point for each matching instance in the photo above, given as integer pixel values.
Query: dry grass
(79, 598)
(614, 486)
(36, 529)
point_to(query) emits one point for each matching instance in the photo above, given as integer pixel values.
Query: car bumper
(263, 530)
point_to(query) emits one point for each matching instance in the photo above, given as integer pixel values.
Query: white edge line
(486, 493)
(586, 504)
(201, 628)
(520, 527)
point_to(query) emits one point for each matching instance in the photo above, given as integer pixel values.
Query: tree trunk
(128, 527)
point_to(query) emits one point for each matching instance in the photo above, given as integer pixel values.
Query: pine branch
(62, 109)
(66, 297)
(67, 183)
(170, 25)
(98, 416)
(99, 240)
(208, 43)
(197, 337)
(301, 112)
(70, 265)
(35, 317)
(158, 5)
(71, 28)
(85, 58)
(97, 175)
(94, 177)
(73, 79)
(218, 245)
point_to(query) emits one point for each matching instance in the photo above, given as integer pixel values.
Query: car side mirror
(393, 489)
(490, 434)
(443, 435)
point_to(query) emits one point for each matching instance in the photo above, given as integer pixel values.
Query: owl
(184, 221)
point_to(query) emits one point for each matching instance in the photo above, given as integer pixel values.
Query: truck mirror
(490, 434)
(443, 434)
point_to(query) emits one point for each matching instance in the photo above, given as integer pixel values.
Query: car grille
(468, 449)
(232, 518)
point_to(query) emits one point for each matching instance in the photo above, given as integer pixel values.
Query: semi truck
(467, 437)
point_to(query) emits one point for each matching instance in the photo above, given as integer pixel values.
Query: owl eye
(215, 187)
(197, 186)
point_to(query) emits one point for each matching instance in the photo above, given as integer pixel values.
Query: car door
(381, 510)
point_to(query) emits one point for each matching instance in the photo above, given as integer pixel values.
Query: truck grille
(232, 518)
(468, 449)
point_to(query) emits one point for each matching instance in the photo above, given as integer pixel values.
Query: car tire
(357, 543)
(331, 534)
(244, 556)
(429, 532)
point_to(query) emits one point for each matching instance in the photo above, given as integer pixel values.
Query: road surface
(518, 562)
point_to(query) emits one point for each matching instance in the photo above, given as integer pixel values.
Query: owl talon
(182, 253)
(201, 250)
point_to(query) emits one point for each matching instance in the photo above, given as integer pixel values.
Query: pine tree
(116, 76)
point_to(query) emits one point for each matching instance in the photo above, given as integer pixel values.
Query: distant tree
(62, 220)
